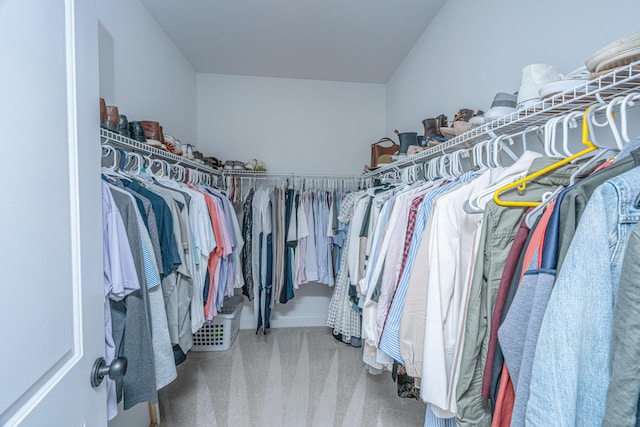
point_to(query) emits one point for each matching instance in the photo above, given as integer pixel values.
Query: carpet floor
(291, 377)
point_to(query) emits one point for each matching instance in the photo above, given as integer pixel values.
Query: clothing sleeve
(119, 266)
(151, 270)
(624, 388)
(354, 246)
(571, 368)
(438, 344)
(468, 412)
(227, 247)
(207, 239)
(303, 228)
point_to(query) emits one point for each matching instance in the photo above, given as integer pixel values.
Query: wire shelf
(615, 83)
(275, 175)
(112, 138)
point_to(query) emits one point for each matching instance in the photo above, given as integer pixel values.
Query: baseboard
(287, 322)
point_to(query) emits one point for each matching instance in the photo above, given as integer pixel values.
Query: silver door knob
(115, 371)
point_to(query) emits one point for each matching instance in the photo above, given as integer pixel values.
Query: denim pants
(265, 289)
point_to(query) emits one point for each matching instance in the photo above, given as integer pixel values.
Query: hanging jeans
(264, 289)
(247, 226)
(287, 292)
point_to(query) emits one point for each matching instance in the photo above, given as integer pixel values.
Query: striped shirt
(390, 337)
(431, 420)
(150, 267)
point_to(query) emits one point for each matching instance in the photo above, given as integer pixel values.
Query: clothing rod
(297, 175)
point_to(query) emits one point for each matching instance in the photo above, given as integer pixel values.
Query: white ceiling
(341, 40)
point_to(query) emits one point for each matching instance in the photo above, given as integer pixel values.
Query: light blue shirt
(570, 372)
(390, 337)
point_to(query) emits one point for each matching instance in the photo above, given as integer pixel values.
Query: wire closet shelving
(601, 89)
(117, 140)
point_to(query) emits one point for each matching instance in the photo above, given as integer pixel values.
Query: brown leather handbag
(379, 150)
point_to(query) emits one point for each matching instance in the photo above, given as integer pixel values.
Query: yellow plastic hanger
(521, 184)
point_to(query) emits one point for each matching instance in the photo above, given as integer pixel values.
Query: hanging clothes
(623, 391)
(262, 256)
(499, 228)
(586, 284)
(120, 280)
(158, 239)
(133, 341)
(247, 260)
(342, 318)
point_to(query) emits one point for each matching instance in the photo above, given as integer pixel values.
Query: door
(51, 308)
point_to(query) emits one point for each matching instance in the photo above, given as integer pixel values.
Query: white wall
(292, 125)
(309, 307)
(474, 49)
(141, 70)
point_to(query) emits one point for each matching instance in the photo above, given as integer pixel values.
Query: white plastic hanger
(109, 150)
(538, 130)
(442, 167)
(593, 123)
(114, 170)
(476, 157)
(533, 215)
(456, 160)
(628, 101)
(569, 122)
(550, 136)
(463, 154)
(474, 204)
(432, 172)
(492, 153)
(603, 152)
(611, 120)
(137, 163)
(180, 172)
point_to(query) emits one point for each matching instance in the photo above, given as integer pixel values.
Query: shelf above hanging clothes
(270, 174)
(114, 139)
(617, 82)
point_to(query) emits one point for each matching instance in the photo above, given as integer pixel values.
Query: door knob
(115, 371)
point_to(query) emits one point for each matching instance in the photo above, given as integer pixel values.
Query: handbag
(381, 153)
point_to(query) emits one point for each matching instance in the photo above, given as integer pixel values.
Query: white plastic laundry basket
(220, 334)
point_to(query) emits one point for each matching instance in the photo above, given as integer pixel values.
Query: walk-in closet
(269, 213)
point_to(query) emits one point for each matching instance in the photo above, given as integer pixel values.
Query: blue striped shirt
(151, 272)
(430, 419)
(390, 337)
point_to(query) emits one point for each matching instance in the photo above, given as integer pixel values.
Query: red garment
(505, 401)
(214, 258)
(506, 394)
(602, 166)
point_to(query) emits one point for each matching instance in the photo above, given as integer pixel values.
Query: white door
(51, 308)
